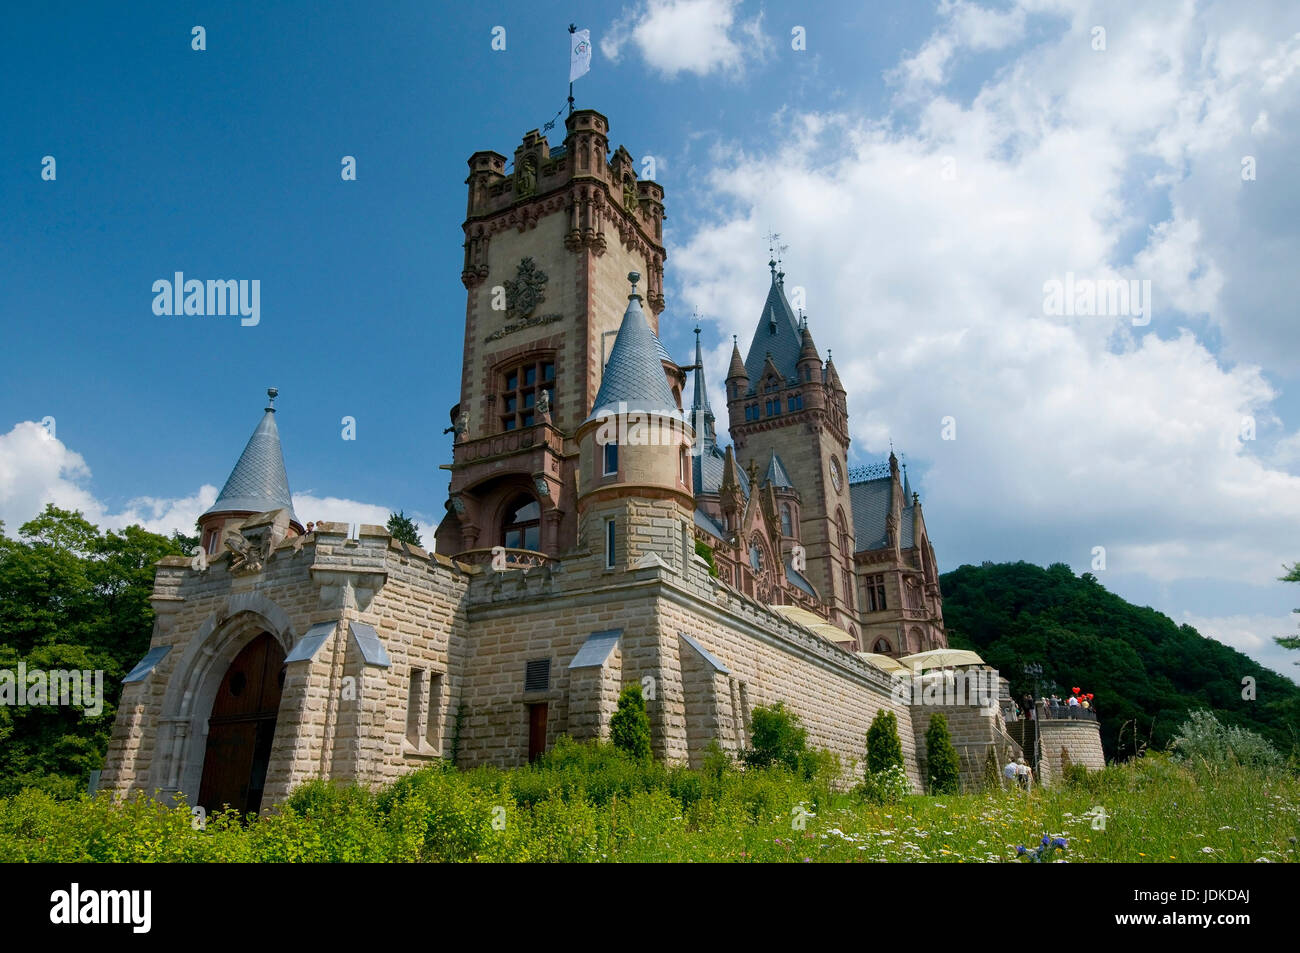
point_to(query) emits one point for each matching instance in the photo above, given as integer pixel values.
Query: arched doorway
(242, 727)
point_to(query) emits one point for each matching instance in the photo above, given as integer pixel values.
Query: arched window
(786, 528)
(842, 527)
(882, 647)
(523, 525)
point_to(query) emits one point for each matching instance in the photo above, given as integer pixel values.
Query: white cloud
(1253, 634)
(688, 36)
(36, 469)
(1083, 431)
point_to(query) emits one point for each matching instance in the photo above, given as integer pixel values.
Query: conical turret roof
(259, 482)
(634, 375)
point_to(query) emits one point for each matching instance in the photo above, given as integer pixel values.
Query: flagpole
(573, 28)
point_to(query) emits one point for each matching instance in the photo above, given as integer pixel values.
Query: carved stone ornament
(526, 177)
(629, 196)
(526, 290)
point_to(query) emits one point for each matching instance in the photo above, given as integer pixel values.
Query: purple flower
(1046, 840)
(1059, 842)
(1020, 850)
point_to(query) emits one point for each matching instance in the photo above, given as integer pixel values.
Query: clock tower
(789, 420)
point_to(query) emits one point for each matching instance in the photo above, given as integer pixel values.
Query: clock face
(837, 478)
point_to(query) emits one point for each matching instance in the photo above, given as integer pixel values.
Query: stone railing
(515, 558)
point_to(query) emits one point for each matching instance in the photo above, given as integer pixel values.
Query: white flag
(579, 53)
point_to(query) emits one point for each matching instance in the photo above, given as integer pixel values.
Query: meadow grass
(589, 804)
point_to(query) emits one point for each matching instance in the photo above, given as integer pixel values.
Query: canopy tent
(885, 662)
(940, 658)
(810, 620)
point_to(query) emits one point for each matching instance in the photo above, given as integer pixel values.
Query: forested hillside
(1145, 670)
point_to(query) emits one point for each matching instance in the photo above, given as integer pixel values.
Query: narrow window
(415, 707)
(611, 459)
(609, 544)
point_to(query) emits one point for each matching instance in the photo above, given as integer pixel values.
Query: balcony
(515, 558)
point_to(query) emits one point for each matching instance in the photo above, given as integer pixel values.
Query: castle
(596, 535)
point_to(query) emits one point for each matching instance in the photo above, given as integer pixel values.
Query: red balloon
(1075, 690)
(1089, 696)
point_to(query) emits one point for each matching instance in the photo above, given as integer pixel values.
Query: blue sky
(1072, 433)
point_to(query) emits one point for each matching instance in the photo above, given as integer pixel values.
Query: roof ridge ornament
(271, 393)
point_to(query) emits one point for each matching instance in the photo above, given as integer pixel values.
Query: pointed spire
(807, 350)
(907, 487)
(778, 331)
(701, 413)
(259, 482)
(634, 375)
(737, 368)
(832, 377)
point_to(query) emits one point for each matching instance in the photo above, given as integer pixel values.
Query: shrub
(942, 770)
(884, 750)
(776, 738)
(1206, 743)
(885, 787)
(705, 552)
(629, 728)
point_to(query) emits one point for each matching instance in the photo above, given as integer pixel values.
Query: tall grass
(587, 803)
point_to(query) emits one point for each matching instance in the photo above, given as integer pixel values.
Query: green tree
(705, 552)
(71, 598)
(1290, 641)
(942, 769)
(629, 728)
(776, 738)
(402, 527)
(883, 747)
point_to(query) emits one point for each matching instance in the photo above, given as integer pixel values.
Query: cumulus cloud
(37, 468)
(1253, 634)
(688, 36)
(924, 240)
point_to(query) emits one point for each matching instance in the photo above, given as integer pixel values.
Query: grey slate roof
(870, 500)
(147, 664)
(705, 654)
(776, 474)
(797, 580)
(259, 482)
(634, 375)
(706, 469)
(707, 523)
(596, 649)
(777, 332)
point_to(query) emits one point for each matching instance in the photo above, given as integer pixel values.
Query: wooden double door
(242, 727)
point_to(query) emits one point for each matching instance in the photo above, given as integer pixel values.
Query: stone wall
(974, 733)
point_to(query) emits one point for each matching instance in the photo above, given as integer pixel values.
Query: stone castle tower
(548, 246)
(596, 536)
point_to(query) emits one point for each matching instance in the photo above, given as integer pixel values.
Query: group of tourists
(1078, 704)
(1017, 772)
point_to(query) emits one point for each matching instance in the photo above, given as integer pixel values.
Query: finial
(828, 360)
(734, 342)
(272, 393)
(634, 277)
(771, 266)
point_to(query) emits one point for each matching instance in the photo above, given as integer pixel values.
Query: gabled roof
(778, 333)
(259, 482)
(776, 474)
(634, 374)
